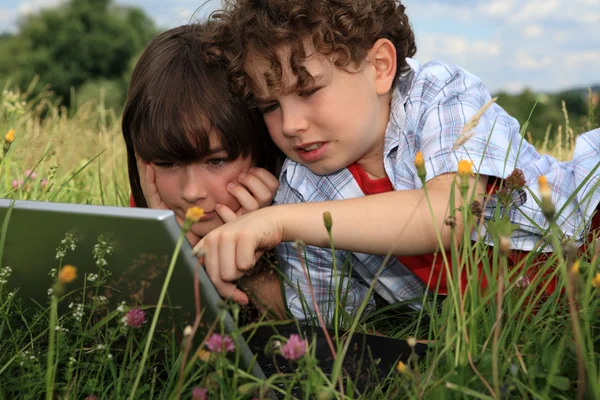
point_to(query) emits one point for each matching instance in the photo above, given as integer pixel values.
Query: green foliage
(78, 42)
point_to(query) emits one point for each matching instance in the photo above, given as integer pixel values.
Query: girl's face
(203, 184)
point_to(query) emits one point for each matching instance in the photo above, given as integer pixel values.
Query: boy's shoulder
(436, 75)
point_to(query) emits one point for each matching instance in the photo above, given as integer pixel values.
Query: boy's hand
(153, 199)
(254, 189)
(229, 251)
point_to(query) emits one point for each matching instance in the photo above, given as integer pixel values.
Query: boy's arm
(399, 221)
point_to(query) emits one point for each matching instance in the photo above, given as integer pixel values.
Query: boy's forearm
(399, 221)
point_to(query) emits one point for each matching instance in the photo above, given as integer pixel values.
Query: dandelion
(67, 274)
(401, 367)
(476, 209)
(546, 194)
(199, 393)
(220, 343)
(8, 139)
(192, 216)
(420, 165)
(596, 281)
(465, 168)
(294, 348)
(135, 318)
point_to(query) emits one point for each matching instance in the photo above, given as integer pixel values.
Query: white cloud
(524, 60)
(455, 47)
(583, 59)
(514, 87)
(533, 31)
(497, 8)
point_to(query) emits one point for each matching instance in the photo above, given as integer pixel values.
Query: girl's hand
(153, 199)
(254, 189)
(229, 251)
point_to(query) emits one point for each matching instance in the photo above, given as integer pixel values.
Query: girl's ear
(382, 57)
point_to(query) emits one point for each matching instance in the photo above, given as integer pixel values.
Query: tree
(80, 41)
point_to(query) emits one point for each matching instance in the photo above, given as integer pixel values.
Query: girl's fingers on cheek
(225, 213)
(267, 178)
(245, 198)
(260, 191)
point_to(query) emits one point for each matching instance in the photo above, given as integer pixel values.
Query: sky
(546, 45)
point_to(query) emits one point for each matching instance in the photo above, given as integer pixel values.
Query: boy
(345, 102)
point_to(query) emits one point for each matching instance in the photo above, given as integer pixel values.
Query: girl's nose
(194, 185)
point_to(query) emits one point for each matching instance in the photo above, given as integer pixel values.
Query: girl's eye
(308, 92)
(164, 164)
(269, 108)
(217, 162)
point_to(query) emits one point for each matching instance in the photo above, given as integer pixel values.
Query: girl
(190, 142)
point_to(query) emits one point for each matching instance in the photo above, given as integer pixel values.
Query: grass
(507, 341)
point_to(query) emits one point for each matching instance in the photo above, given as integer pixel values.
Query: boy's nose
(194, 186)
(294, 122)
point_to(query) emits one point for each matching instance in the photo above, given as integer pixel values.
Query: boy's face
(337, 120)
(202, 184)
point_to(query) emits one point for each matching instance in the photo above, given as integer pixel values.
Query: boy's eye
(269, 108)
(308, 92)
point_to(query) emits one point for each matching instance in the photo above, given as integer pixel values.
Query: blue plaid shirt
(430, 106)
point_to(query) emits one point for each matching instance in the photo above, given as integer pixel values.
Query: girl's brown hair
(346, 29)
(179, 96)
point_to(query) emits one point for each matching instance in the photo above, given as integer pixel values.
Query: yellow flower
(327, 220)
(204, 355)
(10, 136)
(419, 162)
(575, 267)
(596, 281)
(194, 214)
(401, 367)
(67, 274)
(545, 190)
(465, 168)
(420, 165)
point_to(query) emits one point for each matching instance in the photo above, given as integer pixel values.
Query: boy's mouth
(312, 152)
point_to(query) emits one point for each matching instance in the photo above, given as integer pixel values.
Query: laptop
(135, 246)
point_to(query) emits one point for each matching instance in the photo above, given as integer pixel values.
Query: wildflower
(199, 393)
(121, 307)
(465, 168)
(401, 367)
(516, 180)
(412, 342)
(450, 221)
(203, 355)
(476, 209)
(523, 281)
(192, 216)
(294, 348)
(327, 221)
(67, 274)
(17, 183)
(596, 281)
(44, 183)
(30, 174)
(420, 165)
(220, 343)
(546, 194)
(9, 137)
(135, 318)
(575, 267)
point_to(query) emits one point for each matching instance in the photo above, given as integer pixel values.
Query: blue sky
(547, 45)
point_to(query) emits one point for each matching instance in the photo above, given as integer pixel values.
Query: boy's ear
(383, 58)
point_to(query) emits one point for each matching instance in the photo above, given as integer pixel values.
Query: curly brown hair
(344, 28)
